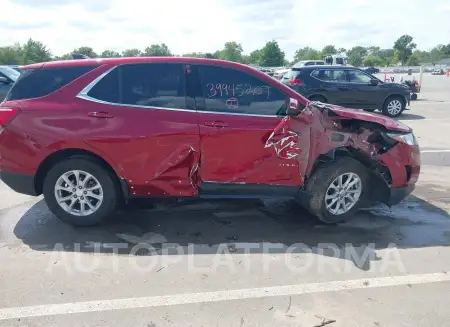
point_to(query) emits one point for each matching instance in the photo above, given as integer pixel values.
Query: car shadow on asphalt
(407, 116)
(238, 226)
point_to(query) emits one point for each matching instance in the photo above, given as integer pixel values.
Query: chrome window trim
(88, 87)
(83, 94)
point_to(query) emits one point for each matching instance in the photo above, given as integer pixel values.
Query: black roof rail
(79, 56)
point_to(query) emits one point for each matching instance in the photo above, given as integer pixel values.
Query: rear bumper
(399, 193)
(21, 183)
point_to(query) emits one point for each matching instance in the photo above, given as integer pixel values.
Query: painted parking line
(434, 151)
(242, 294)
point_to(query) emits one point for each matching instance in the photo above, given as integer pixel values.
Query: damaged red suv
(92, 134)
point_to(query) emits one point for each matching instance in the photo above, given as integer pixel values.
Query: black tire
(318, 98)
(111, 192)
(323, 177)
(391, 100)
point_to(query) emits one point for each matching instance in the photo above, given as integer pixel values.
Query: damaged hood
(388, 123)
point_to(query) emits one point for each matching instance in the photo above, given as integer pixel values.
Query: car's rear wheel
(80, 191)
(318, 98)
(337, 190)
(394, 106)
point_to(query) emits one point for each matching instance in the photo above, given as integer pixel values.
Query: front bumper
(399, 193)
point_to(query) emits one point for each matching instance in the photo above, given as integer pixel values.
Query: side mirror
(293, 108)
(3, 80)
(374, 82)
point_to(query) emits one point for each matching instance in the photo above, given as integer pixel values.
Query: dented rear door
(238, 114)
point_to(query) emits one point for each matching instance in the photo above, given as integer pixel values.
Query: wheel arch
(380, 177)
(395, 95)
(63, 154)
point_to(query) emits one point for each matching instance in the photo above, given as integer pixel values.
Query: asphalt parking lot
(240, 263)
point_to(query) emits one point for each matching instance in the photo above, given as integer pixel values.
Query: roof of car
(132, 60)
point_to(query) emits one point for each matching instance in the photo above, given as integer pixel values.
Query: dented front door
(239, 140)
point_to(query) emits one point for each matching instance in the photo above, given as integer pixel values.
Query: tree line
(404, 51)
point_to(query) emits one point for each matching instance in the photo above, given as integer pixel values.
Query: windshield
(10, 72)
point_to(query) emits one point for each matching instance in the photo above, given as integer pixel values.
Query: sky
(205, 25)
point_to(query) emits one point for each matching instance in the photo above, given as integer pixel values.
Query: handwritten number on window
(239, 90)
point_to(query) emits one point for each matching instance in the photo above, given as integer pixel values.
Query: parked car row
(92, 134)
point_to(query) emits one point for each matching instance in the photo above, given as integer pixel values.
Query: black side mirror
(3, 80)
(374, 82)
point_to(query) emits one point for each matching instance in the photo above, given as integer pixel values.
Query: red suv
(91, 134)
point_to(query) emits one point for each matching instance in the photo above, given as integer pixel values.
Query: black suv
(349, 87)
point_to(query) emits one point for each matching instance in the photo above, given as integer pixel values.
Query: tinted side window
(107, 89)
(35, 83)
(356, 76)
(233, 91)
(153, 85)
(330, 75)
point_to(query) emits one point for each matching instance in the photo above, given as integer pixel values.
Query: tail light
(7, 114)
(296, 82)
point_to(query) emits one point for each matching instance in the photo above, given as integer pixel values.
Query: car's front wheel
(80, 191)
(394, 106)
(337, 190)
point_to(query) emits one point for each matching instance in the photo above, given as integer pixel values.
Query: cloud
(205, 25)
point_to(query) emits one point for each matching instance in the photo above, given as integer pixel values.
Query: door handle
(100, 114)
(216, 123)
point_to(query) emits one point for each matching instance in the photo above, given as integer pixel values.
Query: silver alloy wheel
(343, 193)
(78, 193)
(394, 107)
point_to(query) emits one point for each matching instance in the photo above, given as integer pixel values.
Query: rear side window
(107, 89)
(148, 85)
(233, 91)
(292, 74)
(153, 85)
(35, 83)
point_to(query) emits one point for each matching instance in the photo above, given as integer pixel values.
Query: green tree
(194, 55)
(414, 59)
(66, 56)
(110, 54)
(87, 51)
(354, 59)
(35, 51)
(342, 51)
(131, 53)
(396, 58)
(372, 61)
(271, 55)
(307, 53)
(405, 46)
(255, 57)
(157, 50)
(373, 51)
(232, 52)
(356, 55)
(11, 55)
(329, 50)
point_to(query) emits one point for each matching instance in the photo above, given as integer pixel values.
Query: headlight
(409, 139)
